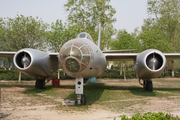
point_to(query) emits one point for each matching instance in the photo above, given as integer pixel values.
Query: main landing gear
(81, 99)
(147, 85)
(40, 84)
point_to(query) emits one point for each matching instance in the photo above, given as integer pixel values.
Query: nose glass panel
(86, 59)
(66, 53)
(85, 50)
(76, 53)
(72, 65)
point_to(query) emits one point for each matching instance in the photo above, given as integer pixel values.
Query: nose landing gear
(81, 99)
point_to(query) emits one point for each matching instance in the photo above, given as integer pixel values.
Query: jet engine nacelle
(35, 63)
(150, 64)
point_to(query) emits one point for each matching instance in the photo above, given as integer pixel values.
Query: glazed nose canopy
(75, 56)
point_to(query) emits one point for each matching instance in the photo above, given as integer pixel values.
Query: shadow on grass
(16, 85)
(4, 115)
(168, 89)
(51, 88)
(92, 91)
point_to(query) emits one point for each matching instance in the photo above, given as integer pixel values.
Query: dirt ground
(19, 106)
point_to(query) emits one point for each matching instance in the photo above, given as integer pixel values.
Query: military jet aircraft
(81, 58)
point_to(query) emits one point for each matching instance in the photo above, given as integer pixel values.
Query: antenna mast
(99, 37)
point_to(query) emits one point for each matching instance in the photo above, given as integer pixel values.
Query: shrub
(151, 116)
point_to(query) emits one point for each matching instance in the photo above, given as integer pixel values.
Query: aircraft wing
(53, 54)
(120, 56)
(11, 54)
(7, 54)
(120, 51)
(172, 56)
(132, 56)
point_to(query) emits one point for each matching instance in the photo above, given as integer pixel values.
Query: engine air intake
(23, 60)
(154, 61)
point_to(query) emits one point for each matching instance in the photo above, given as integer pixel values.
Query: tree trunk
(0, 100)
(121, 70)
(172, 63)
(58, 74)
(19, 77)
(9, 62)
(124, 72)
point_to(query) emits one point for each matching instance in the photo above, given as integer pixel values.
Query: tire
(83, 100)
(149, 86)
(40, 84)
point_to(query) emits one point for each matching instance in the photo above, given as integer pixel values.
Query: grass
(120, 96)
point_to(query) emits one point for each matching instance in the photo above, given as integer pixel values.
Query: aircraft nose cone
(25, 62)
(153, 64)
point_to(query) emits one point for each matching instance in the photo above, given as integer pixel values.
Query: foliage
(164, 18)
(153, 39)
(124, 40)
(13, 75)
(87, 14)
(151, 116)
(60, 34)
(116, 74)
(22, 32)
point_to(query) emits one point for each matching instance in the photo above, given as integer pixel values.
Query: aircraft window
(82, 35)
(66, 53)
(92, 56)
(86, 59)
(84, 50)
(72, 65)
(82, 67)
(69, 43)
(78, 44)
(76, 53)
(90, 49)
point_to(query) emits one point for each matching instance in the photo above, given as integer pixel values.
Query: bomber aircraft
(82, 59)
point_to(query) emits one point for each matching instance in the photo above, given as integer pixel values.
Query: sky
(129, 13)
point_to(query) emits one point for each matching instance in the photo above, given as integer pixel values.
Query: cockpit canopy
(84, 35)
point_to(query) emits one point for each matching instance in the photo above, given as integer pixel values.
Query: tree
(60, 34)
(165, 14)
(23, 32)
(87, 14)
(153, 39)
(124, 40)
(164, 18)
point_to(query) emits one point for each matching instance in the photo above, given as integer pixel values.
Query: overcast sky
(129, 13)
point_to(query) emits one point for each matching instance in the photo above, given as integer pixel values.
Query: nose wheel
(81, 99)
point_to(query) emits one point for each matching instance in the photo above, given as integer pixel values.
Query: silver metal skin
(35, 63)
(150, 64)
(81, 58)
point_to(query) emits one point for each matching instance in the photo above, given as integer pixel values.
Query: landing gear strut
(81, 99)
(40, 84)
(147, 85)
